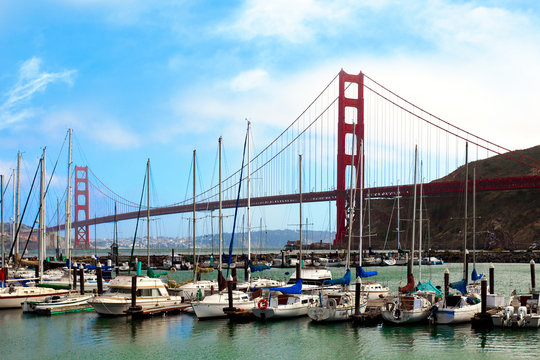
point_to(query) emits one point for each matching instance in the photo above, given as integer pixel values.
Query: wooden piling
(533, 277)
(134, 291)
(357, 296)
(483, 294)
(81, 278)
(446, 282)
(74, 269)
(99, 278)
(492, 278)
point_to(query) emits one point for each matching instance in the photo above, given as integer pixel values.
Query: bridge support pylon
(81, 207)
(350, 111)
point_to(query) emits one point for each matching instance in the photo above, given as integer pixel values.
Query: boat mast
(67, 223)
(248, 195)
(14, 225)
(465, 226)
(420, 230)
(351, 205)
(18, 202)
(58, 228)
(42, 220)
(194, 260)
(474, 217)
(300, 188)
(414, 209)
(361, 201)
(397, 227)
(220, 210)
(148, 213)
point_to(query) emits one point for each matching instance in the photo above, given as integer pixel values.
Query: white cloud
(31, 80)
(114, 134)
(249, 80)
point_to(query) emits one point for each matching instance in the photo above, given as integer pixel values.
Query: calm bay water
(87, 336)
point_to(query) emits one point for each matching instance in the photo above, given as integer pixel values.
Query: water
(87, 336)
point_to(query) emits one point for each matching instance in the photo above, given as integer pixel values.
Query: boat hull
(15, 299)
(119, 306)
(456, 316)
(405, 316)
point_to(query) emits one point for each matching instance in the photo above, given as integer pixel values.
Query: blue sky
(137, 79)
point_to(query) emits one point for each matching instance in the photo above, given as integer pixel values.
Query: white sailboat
(408, 307)
(12, 296)
(198, 288)
(459, 308)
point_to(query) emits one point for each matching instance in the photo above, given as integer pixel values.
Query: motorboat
(312, 278)
(117, 300)
(13, 296)
(432, 260)
(522, 311)
(58, 303)
(456, 309)
(212, 305)
(282, 305)
(197, 290)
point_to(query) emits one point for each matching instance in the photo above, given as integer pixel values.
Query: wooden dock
(64, 309)
(372, 315)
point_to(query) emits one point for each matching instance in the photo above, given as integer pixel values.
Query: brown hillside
(505, 219)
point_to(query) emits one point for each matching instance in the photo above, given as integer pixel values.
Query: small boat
(432, 260)
(313, 278)
(117, 300)
(522, 312)
(58, 304)
(456, 309)
(406, 309)
(212, 305)
(284, 302)
(335, 306)
(388, 262)
(13, 296)
(197, 290)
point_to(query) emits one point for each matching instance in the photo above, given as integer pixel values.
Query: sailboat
(454, 309)
(339, 305)
(196, 289)
(12, 296)
(409, 306)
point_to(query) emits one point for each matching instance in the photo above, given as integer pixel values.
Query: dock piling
(99, 278)
(74, 269)
(81, 278)
(533, 276)
(491, 278)
(357, 296)
(483, 294)
(446, 282)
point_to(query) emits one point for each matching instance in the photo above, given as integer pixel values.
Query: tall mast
(414, 208)
(360, 233)
(351, 205)
(194, 220)
(249, 194)
(369, 219)
(465, 226)
(474, 217)
(58, 229)
(398, 220)
(67, 226)
(220, 141)
(17, 204)
(115, 236)
(13, 222)
(148, 213)
(420, 230)
(300, 188)
(2, 221)
(42, 219)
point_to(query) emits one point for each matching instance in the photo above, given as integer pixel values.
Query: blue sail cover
(255, 268)
(364, 274)
(293, 289)
(475, 276)
(345, 280)
(428, 286)
(460, 286)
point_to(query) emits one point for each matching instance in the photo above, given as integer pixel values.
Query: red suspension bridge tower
(350, 111)
(81, 207)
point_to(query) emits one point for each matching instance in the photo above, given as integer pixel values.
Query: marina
(183, 336)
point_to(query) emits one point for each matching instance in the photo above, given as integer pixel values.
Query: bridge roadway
(498, 184)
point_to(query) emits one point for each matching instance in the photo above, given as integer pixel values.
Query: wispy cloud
(30, 80)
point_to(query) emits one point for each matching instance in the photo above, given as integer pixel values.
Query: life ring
(173, 269)
(332, 303)
(262, 304)
(390, 306)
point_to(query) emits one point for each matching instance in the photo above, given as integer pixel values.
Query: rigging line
(7, 185)
(456, 135)
(419, 108)
(24, 211)
(114, 193)
(231, 245)
(274, 141)
(128, 203)
(137, 224)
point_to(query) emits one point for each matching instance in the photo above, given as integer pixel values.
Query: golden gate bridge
(385, 127)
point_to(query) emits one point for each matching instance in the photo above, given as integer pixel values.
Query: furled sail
(345, 280)
(364, 274)
(475, 276)
(293, 289)
(460, 286)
